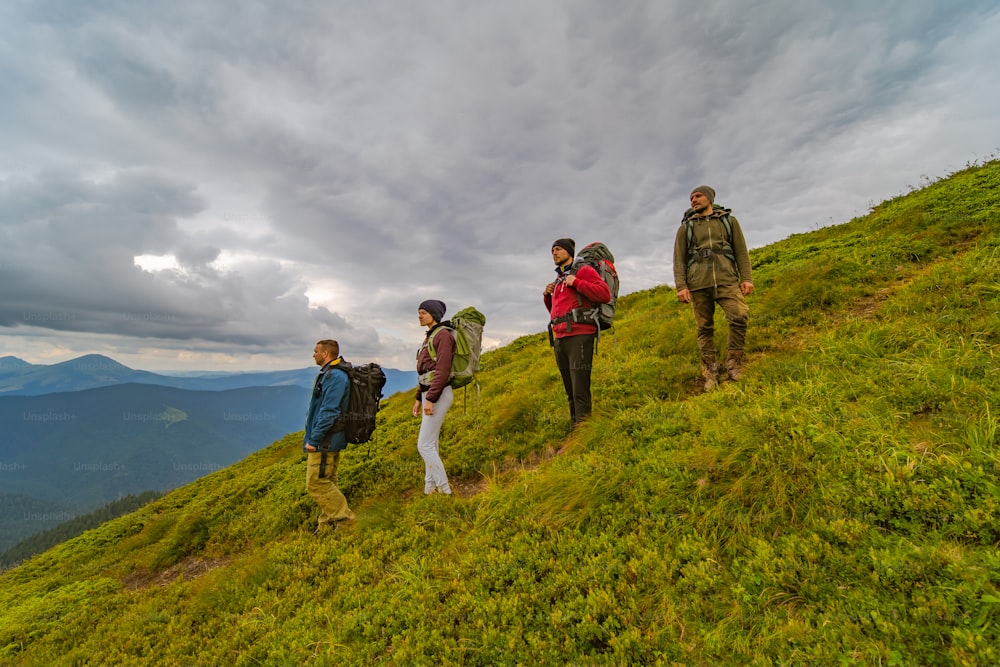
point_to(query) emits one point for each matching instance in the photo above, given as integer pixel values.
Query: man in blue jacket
(324, 438)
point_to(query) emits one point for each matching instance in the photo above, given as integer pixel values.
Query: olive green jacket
(711, 269)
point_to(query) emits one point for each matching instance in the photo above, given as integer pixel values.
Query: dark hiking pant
(731, 300)
(575, 358)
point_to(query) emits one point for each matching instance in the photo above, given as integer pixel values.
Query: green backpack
(467, 328)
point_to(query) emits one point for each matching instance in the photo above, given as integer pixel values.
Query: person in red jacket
(570, 300)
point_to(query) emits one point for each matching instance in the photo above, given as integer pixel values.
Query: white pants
(427, 443)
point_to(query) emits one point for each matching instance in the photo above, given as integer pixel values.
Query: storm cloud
(218, 185)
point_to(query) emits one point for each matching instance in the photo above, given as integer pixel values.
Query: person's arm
(334, 387)
(590, 284)
(742, 254)
(444, 350)
(680, 265)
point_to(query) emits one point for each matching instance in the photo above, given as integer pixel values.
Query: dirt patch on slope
(190, 568)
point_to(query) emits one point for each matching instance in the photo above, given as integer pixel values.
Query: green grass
(838, 506)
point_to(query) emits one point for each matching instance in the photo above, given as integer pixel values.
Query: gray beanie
(706, 190)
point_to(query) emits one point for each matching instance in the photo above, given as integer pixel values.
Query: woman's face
(425, 318)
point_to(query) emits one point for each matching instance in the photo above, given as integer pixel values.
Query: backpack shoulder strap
(689, 227)
(688, 224)
(430, 340)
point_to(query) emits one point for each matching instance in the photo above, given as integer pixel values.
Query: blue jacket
(331, 393)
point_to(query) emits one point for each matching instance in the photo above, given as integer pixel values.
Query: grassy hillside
(839, 506)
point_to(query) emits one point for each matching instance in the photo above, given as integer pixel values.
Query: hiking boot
(341, 524)
(734, 365)
(710, 373)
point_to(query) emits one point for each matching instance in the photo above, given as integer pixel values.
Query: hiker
(434, 393)
(323, 440)
(572, 293)
(712, 265)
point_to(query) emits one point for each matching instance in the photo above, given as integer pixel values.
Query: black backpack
(367, 380)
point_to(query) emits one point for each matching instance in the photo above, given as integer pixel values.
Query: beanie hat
(569, 245)
(706, 190)
(434, 308)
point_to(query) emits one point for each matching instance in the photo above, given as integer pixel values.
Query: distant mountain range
(20, 378)
(76, 435)
(79, 450)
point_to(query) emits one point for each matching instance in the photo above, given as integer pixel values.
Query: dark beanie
(706, 190)
(569, 245)
(434, 308)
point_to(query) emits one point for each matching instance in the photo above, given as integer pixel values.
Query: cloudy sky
(216, 185)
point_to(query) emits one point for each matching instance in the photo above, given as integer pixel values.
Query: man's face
(559, 255)
(425, 318)
(321, 355)
(699, 202)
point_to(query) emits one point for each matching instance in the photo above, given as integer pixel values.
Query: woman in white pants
(434, 394)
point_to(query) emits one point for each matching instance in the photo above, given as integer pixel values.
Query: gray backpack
(600, 258)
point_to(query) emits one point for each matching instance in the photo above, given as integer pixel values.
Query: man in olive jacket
(712, 266)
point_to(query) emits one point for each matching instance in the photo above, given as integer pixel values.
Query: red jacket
(591, 289)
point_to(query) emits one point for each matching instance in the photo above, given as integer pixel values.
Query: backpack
(688, 223)
(467, 328)
(366, 382)
(600, 258)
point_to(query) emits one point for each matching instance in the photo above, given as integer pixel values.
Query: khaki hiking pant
(731, 300)
(332, 503)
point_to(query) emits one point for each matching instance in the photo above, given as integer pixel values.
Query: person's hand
(684, 295)
(570, 279)
(746, 287)
(428, 408)
(549, 289)
(310, 448)
(416, 408)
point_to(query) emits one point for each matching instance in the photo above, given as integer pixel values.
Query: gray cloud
(319, 169)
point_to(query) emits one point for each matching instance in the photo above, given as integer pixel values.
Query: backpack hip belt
(577, 316)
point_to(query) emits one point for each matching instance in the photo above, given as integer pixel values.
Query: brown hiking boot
(710, 372)
(734, 365)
